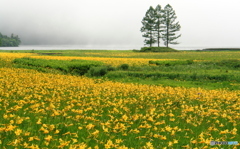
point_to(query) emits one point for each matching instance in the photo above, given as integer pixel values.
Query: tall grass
(79, 67)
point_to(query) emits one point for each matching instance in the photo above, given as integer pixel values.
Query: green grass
(79, 67)
(209, 75)
(178, 83)
(209, 70)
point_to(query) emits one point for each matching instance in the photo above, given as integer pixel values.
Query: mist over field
(117, 23)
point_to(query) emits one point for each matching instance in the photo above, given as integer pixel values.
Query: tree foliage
(159, 24)
(12, 41)
(170, 27)
(148, 27)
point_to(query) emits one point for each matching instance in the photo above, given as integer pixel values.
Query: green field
(209, 70)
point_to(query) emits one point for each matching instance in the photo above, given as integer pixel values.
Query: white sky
(205, 23)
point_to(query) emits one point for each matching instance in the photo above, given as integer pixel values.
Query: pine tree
(148, 27)
(158, 24)
(170, 27)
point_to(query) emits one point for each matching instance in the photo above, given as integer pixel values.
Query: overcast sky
(205, 23)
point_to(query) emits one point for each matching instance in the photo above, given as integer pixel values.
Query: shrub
(110, 68)
(229, 63)
(78, 67)
(157, 49)
(97, 71)
(171, 63)
(124, 66)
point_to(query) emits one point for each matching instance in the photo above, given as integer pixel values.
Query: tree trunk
(167, 35)
(158, 33)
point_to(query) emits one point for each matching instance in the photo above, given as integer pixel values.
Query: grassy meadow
(109, 99)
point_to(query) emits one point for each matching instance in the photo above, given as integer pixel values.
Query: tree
(158, 23)
(12, 41)
(170, 27)
(148, 27)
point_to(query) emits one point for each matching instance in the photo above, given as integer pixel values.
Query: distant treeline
(12, 41)
(222, 49)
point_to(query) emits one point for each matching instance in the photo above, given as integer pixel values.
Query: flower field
(59, 111)
(44, 110)
(106, 60)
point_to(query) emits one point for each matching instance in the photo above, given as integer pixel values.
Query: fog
(113, 22)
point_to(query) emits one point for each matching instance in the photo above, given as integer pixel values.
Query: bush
(171, 63)
(97, 71)
(157, 49)
(110, 68)
(77, 67)
(231, 63)
(124, 66)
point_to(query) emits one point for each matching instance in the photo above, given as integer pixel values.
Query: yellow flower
(124, 117)
(118, 141)
(39, 121)
(173, 132)
(109, 144)
(135, 131)
(224, 132)
(221, 125)
(11, 122)
(95, 133)
(168, 128)
(150, 119)
(170, 143)
(74, 140)
(104, 129)
(149, 145)
(90, 126)
(234, 131)
(10, 128)
(48, 138)
(45, 131)
(30, 139)
(18, 132)
(51, 127)
(194, 141)
(26, 133)
(63, 143)
(56, 132)
(19, 121)
(34, 147)
(46, 143)
(163, 138)
(5, 116)
(122, 147)
(36, 138)
(175, 141)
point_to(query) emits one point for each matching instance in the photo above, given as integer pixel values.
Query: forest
(12, 41)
